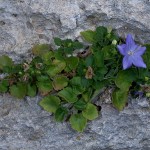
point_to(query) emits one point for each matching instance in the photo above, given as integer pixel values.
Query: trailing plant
(70, 77)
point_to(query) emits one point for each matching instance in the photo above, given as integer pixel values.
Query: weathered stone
(23, 23)
(23, 124)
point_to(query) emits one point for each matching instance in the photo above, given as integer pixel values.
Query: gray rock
(26, 126)
(23, 124)
(23, 23)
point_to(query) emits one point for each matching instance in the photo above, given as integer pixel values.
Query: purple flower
(132, 53)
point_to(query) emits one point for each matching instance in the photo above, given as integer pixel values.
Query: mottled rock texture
(23, 23)
(23, 124)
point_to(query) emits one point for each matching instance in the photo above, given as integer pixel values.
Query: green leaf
(60, 114)
(5, 61)
(36, 60)
(31, 90)
(101, 32)
(47, 57)
(80, 104)
(99, 87)
(77, 45)
(19, 91)
(77, 85)
(68, 50)
(50, 103)
(88, 35)
(57, 67)
(86, 83)
(68, 95)
(119, 99)
(78, 122)
(90, 112)
(109, 52)
(60, 82)
(72, 63)
(76, 81)
(7, 69)
(44, 87)
(57, 41)
(99, 59)
(89, 60)
(87, 95)
(146, 56)
(125, 78)
(99, 73)
(40, 49)
(4, 86)
(43, 78)
(142, 73)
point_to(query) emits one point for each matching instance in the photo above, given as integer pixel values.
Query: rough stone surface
(23, 124)
(23, 23)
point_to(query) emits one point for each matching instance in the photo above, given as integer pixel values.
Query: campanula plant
(70, 78)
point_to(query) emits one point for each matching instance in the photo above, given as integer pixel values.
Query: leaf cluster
(70, 77)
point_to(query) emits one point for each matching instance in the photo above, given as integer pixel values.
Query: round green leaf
(58, 41)
(72, 63)
(99, 59)
(43, 78)
(119, 99)
(31, 90)
(60, 82)
(47, 57)
(88, 35)
(90, 112)
(45, 87)
(5, 61)
(80, 104)
(76, 81)
(125, 78)
(89, 60)
(40, 49)
(77, 45)
(78, 122)
(57, 67)
(77, 85)
(50, 103)
(68, 95)
(146, 56)
(87, 95)
(19, 90)
(4, 86)
(60, 114)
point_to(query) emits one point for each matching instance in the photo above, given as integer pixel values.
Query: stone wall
(23, 23)
(23, 124)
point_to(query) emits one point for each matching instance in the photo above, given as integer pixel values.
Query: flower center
(130, 53)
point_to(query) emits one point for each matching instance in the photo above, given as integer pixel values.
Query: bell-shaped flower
(132, 53)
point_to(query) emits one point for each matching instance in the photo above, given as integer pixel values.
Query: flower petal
(127, 62)
(121, 49)
(140, 51)
(138, 61)
(130, 42)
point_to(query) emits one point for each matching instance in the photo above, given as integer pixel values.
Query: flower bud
(147, 94)
(74, 54)
(68, 55)
(146, 78)
(20, 72)
(114, 42)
